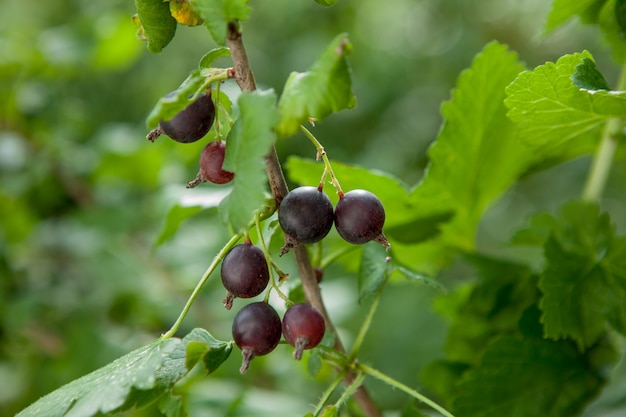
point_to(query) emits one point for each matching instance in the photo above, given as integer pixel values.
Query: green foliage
(373, 271)
(470, 164)
(325, 88)
(535, 322)
(556, 118)
(527, 377)
(157, 24)
(217, 14)
(247, 145)
(136, 379)
(583, 283)
(589, 77)
(562, 10)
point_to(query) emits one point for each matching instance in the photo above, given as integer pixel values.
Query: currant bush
(305, 215)
(256, 331)
(303, 327)
(244, 273)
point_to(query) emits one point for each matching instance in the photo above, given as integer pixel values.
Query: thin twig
(245, 79)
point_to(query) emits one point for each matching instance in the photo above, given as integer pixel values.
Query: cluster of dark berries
(190, 125)
(306, 215)
(257, 328)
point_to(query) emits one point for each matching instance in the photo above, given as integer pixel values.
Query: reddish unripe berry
(305, 215)
(303, 327)
(359, 218)
(211, 162)
(256, 331)
(244, 273)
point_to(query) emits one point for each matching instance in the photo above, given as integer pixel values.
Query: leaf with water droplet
(134, 380)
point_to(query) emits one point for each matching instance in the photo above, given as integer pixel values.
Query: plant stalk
(402, 387)
(216, 261)
(601, 165)
(245, 79)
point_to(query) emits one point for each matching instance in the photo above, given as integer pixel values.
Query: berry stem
(273, 267)
(245, 79)
(216, 99)
(603, 159)
(402, 387)
(216, 261)
(328, 169)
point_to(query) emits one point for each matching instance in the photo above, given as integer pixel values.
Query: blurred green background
(83, 195)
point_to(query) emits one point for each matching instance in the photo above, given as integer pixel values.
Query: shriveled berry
(305, 215)
(359, 218)
(190, 124)
(211, 161)
(256, 331)
(303, 327)
(244, 273)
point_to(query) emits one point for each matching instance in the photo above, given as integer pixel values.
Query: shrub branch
(245, 79)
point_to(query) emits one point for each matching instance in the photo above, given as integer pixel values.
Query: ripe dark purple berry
(256, 331)
(244, 273)
(359, 218)
(211, 161)
(303, 327)
(305, 215)
(190, 124)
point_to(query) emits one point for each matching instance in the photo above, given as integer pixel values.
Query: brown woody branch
(245, 79)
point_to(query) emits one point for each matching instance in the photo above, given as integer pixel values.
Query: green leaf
(491, 307)
(217, 14)
(476, 156)
(610, 16)
(172, 406)
(175, 216)
(583, 283)
(327, 2)
(202, 347)
(187, 207)
(442, 377)
(214, 54)
(563, 10)
(324, 89)
(620, 14)
(588, 76)
(158, 24)
(527, 377)
(106, 389)
(421, 229)
(421, 278)
(373, 271)
(134, 380)
(250, 140)
(557, 118)
(171, 104)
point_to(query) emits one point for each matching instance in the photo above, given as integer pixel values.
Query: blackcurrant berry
(359, 218)
(190, 124)
(244, 273)
(256, 331)
(303, 327)
(211, 161)
(305, 215)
